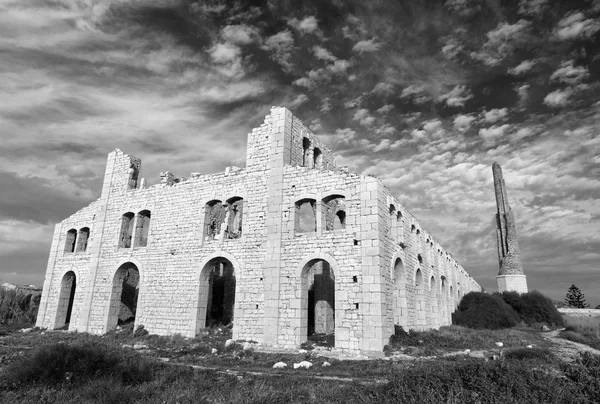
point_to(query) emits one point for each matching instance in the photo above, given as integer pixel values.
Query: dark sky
(422, 94)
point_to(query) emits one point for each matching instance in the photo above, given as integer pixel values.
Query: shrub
(18, 306)
(533, 307)
(58, 363)
(482, 311)
(543, 354)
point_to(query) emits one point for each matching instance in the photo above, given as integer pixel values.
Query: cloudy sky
(423, 94)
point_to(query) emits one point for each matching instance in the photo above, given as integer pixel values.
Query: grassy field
(61, 367)
(585, 330)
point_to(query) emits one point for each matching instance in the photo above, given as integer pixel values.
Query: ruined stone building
(289, 246)
(510, 275)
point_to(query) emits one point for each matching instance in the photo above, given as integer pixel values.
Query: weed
(585, 330)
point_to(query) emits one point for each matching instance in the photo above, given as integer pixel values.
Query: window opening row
(77, 241)
(333, 208)
(135, 229)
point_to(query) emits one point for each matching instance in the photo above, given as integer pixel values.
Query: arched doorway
(420, 299)
(433, 302)
(318, 301)
(65, 300)
(216, 300)
(399, 294)
(124, 296)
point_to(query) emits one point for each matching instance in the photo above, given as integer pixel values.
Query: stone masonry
(289, 245)
(510, 276)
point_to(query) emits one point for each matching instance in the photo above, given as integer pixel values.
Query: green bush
(59, 363)
(482, 311)
(533, 307)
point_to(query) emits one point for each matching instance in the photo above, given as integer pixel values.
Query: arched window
(235, 212)
(318, 158)
(305, 151)
(126, 230)
(335, 212)
(214, 218)
(392, 223)
(305, 219)
(133, 177)
(400, 226)
(142, 228)
(82, 238)
(70, 240)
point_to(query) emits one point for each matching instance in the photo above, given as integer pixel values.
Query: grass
(585, 330)
(63, 367)
(17, 307)
(133, 378)
(434, 342)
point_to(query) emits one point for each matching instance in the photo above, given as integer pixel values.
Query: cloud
(307, 25)
(575, 26)
(240, 34)
(570, 74)
(492, 134)
(364, 118)
(522, 133)
(457, 97)
(313, 79)
(323, 54)
(384, 88)
(494, 115)
(531, 7)
(463, 8)
(522, 67)
(558, 98)
(33, 199)
(502, 41)
(281, 46)
(366, 46)
(416, 93)
(299, 100)
(523, 93)
(224, 53)
(385, 109)
(463, 122)
(339, 66)
(325, 105)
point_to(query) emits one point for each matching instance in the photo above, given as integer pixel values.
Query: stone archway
(124, 296)
(317, 313)
(66, 298)
(399, 294)
(216, 296)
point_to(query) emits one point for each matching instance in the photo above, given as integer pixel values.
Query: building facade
(289, 246)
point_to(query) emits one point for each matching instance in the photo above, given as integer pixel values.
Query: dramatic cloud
(424, 95)
(557, 98)
(366, 46)
(502, 42)
(576, 26)
(463, 122)
(570, 74)
(457, 96)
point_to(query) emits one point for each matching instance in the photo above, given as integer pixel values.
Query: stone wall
(579, 312)
(373, 265)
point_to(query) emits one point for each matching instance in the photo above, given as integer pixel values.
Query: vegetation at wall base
(102, 373)
(482, 311)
